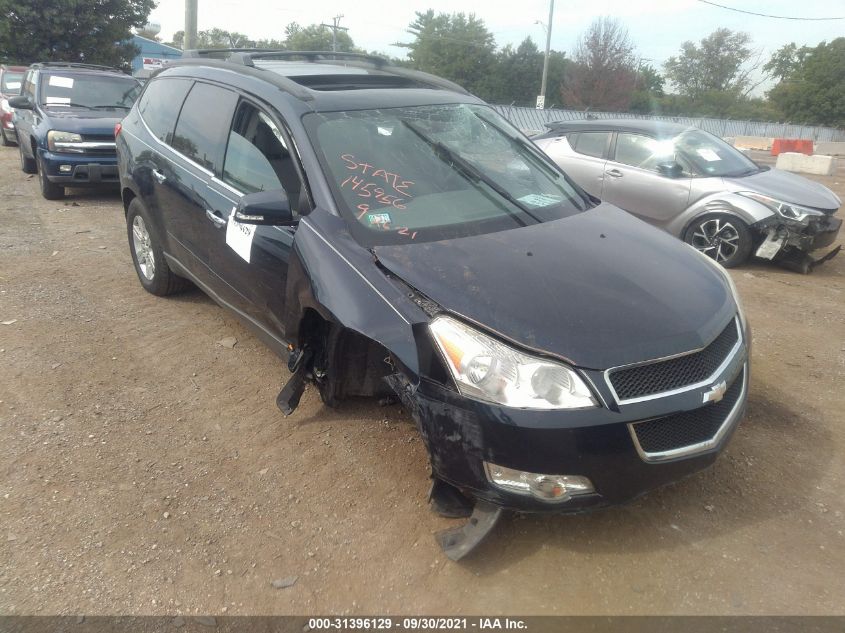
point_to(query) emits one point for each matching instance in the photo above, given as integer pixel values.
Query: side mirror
(269, 208)
(670, 170)
(20, 103)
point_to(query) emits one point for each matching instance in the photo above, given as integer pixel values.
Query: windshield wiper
(110, 107)
(470, 171)
(69, 104)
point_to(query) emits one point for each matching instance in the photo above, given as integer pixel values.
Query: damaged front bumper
(790, 242)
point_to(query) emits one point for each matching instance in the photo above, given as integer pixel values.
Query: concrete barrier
(818, 164)
(830, 148)
(753, 142)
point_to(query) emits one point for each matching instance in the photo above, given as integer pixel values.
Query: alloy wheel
(717, 238)
(143, 248)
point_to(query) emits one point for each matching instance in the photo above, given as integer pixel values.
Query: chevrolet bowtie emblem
(715, 393)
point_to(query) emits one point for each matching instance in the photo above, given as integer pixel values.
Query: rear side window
(159, 105)
(204, 123)
(589, 143)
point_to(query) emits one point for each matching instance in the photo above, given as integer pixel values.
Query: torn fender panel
(333, 275)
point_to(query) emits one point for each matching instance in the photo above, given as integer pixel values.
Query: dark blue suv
(65, 119)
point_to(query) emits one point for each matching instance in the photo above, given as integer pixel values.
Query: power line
(768, 15)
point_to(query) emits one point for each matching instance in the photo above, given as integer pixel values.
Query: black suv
(65, 119)
(387, 233)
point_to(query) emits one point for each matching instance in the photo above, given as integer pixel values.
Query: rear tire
(145, 246)
(721, 236)
(50, 190)
(27, 164)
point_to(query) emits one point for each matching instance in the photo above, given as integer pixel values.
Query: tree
(315, 38)
(812, 88)
(603, 72)
(722, 62)
(457, 46)
(215, 38)
(517, 72)
(150, 35)
(96, 32)
(648, 90)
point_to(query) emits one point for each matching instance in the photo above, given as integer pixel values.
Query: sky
(657, 27)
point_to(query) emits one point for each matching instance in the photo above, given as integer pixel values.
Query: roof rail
(246, 57)
(219, 53)
(74, 65)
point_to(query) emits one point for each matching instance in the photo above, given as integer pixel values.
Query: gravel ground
(146, 470)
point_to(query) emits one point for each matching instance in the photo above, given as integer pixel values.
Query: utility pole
(190, 40)
(335, 27)
(541, 100)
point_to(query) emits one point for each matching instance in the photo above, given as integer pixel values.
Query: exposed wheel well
(128, 196)
(346, 363)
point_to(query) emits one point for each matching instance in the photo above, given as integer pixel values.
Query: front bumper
(600, 444)
(85, 170)
(818, 232)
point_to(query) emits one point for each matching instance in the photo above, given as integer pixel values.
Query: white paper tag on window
(708, 154)
(13, 85)
(539, 199)
(58, 100)
(239, 237)
(61, 82)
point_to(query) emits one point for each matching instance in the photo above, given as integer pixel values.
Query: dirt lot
(146, 470)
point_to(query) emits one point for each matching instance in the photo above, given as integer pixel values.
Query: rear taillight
(117, 128)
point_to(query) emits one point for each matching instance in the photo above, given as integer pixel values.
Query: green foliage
(812, 86)
(721, 62)
(297, 38)
(457, 46)
(516, 76)
(95, 31)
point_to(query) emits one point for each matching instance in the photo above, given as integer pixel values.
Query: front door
(631, 180)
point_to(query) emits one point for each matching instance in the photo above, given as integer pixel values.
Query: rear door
(258, 158)
(631, 180)
(195, 209)
(582, 156)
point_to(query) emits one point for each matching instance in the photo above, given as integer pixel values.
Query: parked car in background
(699, 188)
(65, 119)
(389, 234)
(10, 86)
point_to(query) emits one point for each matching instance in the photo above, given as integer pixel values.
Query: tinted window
(203, 123)
(160, 104)
(29, 86)
(590, 143)
(641, 151)
(11, 83)
(89, 91)
(257, 156)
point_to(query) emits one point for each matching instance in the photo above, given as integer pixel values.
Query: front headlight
(786, 210)
(58, 141)
(487, 369)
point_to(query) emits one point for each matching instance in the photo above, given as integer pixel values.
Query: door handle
(159, 176)
(614, 172)
(218, 221)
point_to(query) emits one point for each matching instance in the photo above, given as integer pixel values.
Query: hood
(95, 122)
(787, 187)
(598, 289)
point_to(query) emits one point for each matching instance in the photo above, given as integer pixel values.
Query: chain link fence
(530, 121)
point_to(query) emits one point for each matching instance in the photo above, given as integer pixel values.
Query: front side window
(88, 91)
(11, 83)
(257, 156)
(590, 143)
(160, 104)
(709, 155)
(203, 124)
(432, 172)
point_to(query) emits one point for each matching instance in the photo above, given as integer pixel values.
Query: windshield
(11, 83)
(432, 172)
(91, 91)
(707, 155)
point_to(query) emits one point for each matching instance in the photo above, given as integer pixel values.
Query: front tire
(721, 236)
(27, 164)
(144, 245)
(50, 190)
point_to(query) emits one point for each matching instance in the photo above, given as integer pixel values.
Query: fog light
(65, 169)
(551, 488)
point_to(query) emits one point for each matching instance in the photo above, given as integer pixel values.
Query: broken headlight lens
(552, 488)
(487, 369)
(786, 210)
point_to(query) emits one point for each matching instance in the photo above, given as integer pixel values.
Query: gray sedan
(698, 188)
